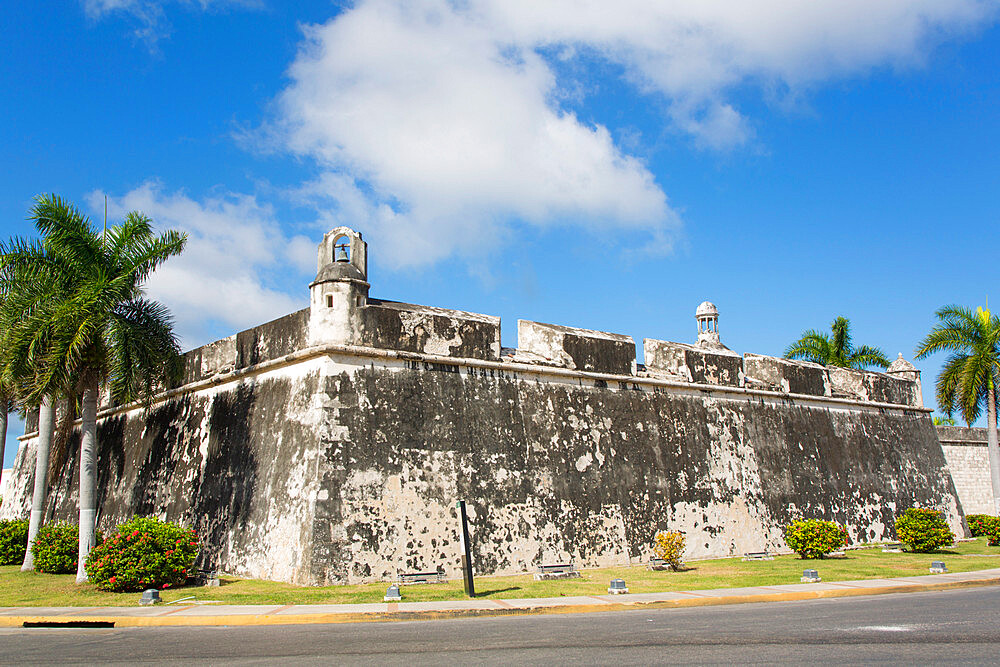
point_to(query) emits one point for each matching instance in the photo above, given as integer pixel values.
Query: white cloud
(149, 16)
(445, 137)
(221, 282)
(438, 128)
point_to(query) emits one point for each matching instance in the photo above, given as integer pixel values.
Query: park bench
(204, 578)
(556, 571)
(758, 555)
(434, 577)
(658, 564)
(892, 548)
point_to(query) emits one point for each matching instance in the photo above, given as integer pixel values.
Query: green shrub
(669, 545)
(13, 541)
(977, 523)
(143, 553)
(55, 548)
(991, 530)
(922, 529)
(814, 538)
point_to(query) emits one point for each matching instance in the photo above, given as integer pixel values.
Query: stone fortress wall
(330, 445)
(965, 451)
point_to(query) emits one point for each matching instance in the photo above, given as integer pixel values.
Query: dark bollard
(467, 583)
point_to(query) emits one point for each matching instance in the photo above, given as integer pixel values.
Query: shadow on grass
(495, 591)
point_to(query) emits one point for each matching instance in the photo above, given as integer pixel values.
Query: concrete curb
(197, 615)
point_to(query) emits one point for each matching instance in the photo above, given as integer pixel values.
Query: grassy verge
(52, 590)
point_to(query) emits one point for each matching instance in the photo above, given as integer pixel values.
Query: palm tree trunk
(88, 479)
(46, 425)
(3, 436)
(992, 444)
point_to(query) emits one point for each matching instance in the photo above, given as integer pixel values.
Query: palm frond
(841, 339)
(865, 356)
(142, 349)
(813, 346)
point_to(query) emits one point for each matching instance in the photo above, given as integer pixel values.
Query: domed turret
(706, 309)
(901, 365)
(903, 369)
(707, 316)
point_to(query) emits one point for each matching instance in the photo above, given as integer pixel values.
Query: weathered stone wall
(968, 460)
(343, 464)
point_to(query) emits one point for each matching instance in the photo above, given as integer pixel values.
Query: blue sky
(567, 162)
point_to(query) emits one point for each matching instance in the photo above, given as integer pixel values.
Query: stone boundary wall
(342, 464)
(968, 460)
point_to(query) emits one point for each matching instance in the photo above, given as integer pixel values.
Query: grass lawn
(55, 590)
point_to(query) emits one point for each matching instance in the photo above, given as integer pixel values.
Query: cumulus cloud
(439, 126)
(224, 279)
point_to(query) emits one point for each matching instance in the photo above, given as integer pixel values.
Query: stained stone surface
(315, 459)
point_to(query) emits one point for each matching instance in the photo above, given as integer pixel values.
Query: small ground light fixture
(392, 594)
(810, 576)
(150, 596)
(937, 567)
(617, 587)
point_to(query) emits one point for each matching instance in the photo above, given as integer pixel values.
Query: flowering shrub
(977, 523)
(669, 545)
(55, 548)
(143, 553)
(991, 529)
(814, 538)
(922, 529)
(13, 541)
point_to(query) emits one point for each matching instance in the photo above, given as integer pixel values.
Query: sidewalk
(205, 614)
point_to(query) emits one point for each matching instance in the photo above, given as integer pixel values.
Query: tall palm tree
(76, 316)
(971, 375)
(46, 427)
(835, 350)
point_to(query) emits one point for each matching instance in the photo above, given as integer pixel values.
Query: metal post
(467, 582)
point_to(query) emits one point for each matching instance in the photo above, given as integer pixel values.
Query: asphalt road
(961, 626)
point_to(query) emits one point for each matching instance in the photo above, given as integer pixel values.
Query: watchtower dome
(707, 316)
(340, 288)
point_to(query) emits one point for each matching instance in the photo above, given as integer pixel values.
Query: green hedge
(977, 523)
(990, 528)
(55, 548)
(143, 553)
(922, 529)
(814, 538)
(13, 541)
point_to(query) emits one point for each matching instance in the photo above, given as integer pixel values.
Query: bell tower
(340, 288)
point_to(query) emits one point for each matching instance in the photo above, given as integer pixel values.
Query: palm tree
(76, 316)
(970, 377)
(835, 350)
(46, 427)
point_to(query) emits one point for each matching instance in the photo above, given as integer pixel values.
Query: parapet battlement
(341, 313)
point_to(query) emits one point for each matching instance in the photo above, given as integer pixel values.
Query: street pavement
(201, 614)
(949, 626)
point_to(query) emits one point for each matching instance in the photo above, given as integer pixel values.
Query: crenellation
(786, 375)
(578, 349)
